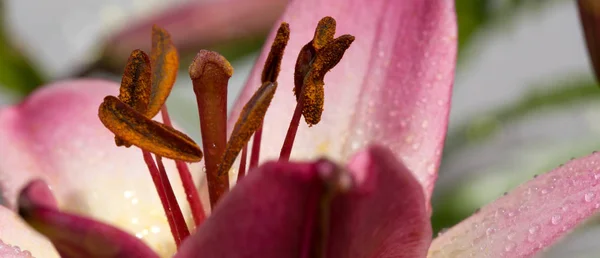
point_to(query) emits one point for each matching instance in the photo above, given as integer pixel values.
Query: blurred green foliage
(562, 93)
(16, 72)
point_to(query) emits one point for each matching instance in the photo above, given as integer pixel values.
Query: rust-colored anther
(589, 12)
(210, 73)
(149, 135)
(269, 74)
(273, 62)
(250, 120)
(314, 60)
(135, 86)
(165, 62)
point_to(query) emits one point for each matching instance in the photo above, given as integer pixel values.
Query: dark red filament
(255, 155)
(191, 192)
(242, 170)
(288, 143)
(167, 198)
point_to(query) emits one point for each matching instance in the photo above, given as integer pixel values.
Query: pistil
(210, 73)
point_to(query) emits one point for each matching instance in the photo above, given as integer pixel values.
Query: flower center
(147, 82)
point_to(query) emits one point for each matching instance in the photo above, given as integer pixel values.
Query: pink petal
(265, 215)
(199, 24)
(18, 240)
(72, 235)
(385, 216)
(391, 88)
(533, 216)
(55, 135)
(271, 213)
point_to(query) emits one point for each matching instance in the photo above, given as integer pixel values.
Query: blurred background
(525, 99)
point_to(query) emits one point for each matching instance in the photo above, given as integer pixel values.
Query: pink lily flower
(386, 110)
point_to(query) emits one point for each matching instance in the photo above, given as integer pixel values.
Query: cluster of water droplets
(9, 251)
(532, 217)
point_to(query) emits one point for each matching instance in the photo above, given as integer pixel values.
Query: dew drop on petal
(534, 229)
(588, 197)
(490, 231)
(510, 247)
(556, 218)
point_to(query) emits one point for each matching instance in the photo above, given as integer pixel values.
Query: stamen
(149, 135)
(270, 73)
(288, 142)
(315, 59)
(255, 154)
(191, 193)
(250, 120)
(273, 62)
(135, 86)
(242, 170)
(165, 62)
(167, 198)
(210, 73)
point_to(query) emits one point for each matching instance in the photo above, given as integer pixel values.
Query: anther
(165, 63)
(248, 122)
(269, 74)
(149, 135)
(135, 86)
(315, 59)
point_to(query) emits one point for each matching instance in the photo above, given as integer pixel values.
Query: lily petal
(55, 135)
(72, 235)
(385, 216)
(531, 217)
(18, 240)
(263, 216)
(271, 213)
(392, 87)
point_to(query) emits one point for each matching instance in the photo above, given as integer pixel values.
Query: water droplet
(534, 229)
(597, 176)
(490, 231)
(416, 146)
(510, 247)
(511, 235)
(556, 218)
(588, 197)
